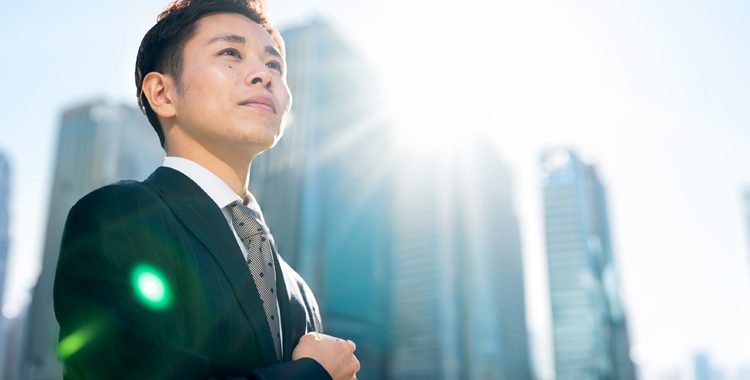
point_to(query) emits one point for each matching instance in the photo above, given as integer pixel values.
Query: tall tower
(321, 193)
(428, 341)
(98, 143)
(4, 222)
(588, 322)
(746, 213)
(702, 368)
(459, 308)
(4, 253)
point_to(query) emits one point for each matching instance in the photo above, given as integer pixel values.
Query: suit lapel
(204, 219)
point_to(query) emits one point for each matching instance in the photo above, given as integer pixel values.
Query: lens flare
(75, 341)
(151, 288)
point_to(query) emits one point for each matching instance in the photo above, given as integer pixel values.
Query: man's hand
(334, 354)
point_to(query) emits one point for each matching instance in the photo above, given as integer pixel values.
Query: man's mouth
(260, 101)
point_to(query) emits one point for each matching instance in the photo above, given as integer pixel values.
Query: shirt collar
(216, 189)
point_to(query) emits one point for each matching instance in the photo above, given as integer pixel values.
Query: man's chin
(270, 134)
(276, 139)
(257, 146)
(270, 140)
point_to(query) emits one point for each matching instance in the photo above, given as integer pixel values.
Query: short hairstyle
(162, 47)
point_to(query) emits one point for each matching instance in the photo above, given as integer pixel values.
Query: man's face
(233, 91)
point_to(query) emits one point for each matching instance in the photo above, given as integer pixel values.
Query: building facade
(98, 143)
(459, 305)
(5, 178)
(328, 217)
(5, 187)
(746, 213)
(588, 321)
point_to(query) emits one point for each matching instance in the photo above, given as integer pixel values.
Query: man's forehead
(231, 27)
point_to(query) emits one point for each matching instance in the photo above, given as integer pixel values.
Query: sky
(654, 92)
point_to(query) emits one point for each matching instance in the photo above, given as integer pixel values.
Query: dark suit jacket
(213, 326)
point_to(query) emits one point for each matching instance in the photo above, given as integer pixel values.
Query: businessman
(177, 276)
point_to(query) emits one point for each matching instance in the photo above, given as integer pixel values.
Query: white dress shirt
(221, 194)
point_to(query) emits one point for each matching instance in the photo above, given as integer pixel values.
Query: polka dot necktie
(257, 240)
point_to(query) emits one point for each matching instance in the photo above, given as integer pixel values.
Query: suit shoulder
(126, 201)
(113, 216)
(125, 193)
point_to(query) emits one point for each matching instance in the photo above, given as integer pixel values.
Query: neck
(231, 165)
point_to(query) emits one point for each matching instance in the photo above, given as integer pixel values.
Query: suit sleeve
(114, 296)
(108, 329)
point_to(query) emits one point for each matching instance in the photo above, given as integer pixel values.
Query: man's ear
(159, 90)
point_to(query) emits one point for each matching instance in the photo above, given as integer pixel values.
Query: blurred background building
(746, 214)
(5, 186)
(589, 328)
(702, 367)
(371, 242)
(329, 220)
(11, 342)
(98, 143)
(4, 220)
(459, 287)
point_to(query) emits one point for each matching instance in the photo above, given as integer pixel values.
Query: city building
(746, 213)
(11, 340)
(459, 306)
(5, 187)
(320, 192)
(98, 143)
(589, 327)
(702, 366)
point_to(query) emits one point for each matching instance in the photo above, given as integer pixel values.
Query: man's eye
(231, 52)
(274, 65)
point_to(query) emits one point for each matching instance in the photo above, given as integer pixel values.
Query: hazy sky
(656, 91)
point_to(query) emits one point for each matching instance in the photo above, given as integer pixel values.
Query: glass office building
(5, 177)
(5, 187)
(98, 143)
(746, 213)
(459, 306)
(588, 322)
(320, 192)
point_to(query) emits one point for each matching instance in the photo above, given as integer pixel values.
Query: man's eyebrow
(241, 40)
(228, 38)
(272, 50)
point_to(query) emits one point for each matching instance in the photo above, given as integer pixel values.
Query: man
(177, 277)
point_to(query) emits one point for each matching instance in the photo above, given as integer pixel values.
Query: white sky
(656, 91)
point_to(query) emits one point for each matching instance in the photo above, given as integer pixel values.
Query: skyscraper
(746, 211)
(98, 143)
(4, 221)
(321, 194)
(459, 308)
(702, 366)
(588, 322)
(4, 250)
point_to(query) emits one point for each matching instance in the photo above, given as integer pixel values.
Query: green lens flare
(75, 341)
(151, 287)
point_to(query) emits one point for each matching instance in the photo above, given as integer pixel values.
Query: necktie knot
(245, 221)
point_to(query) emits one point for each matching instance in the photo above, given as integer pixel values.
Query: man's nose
(260, 78)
